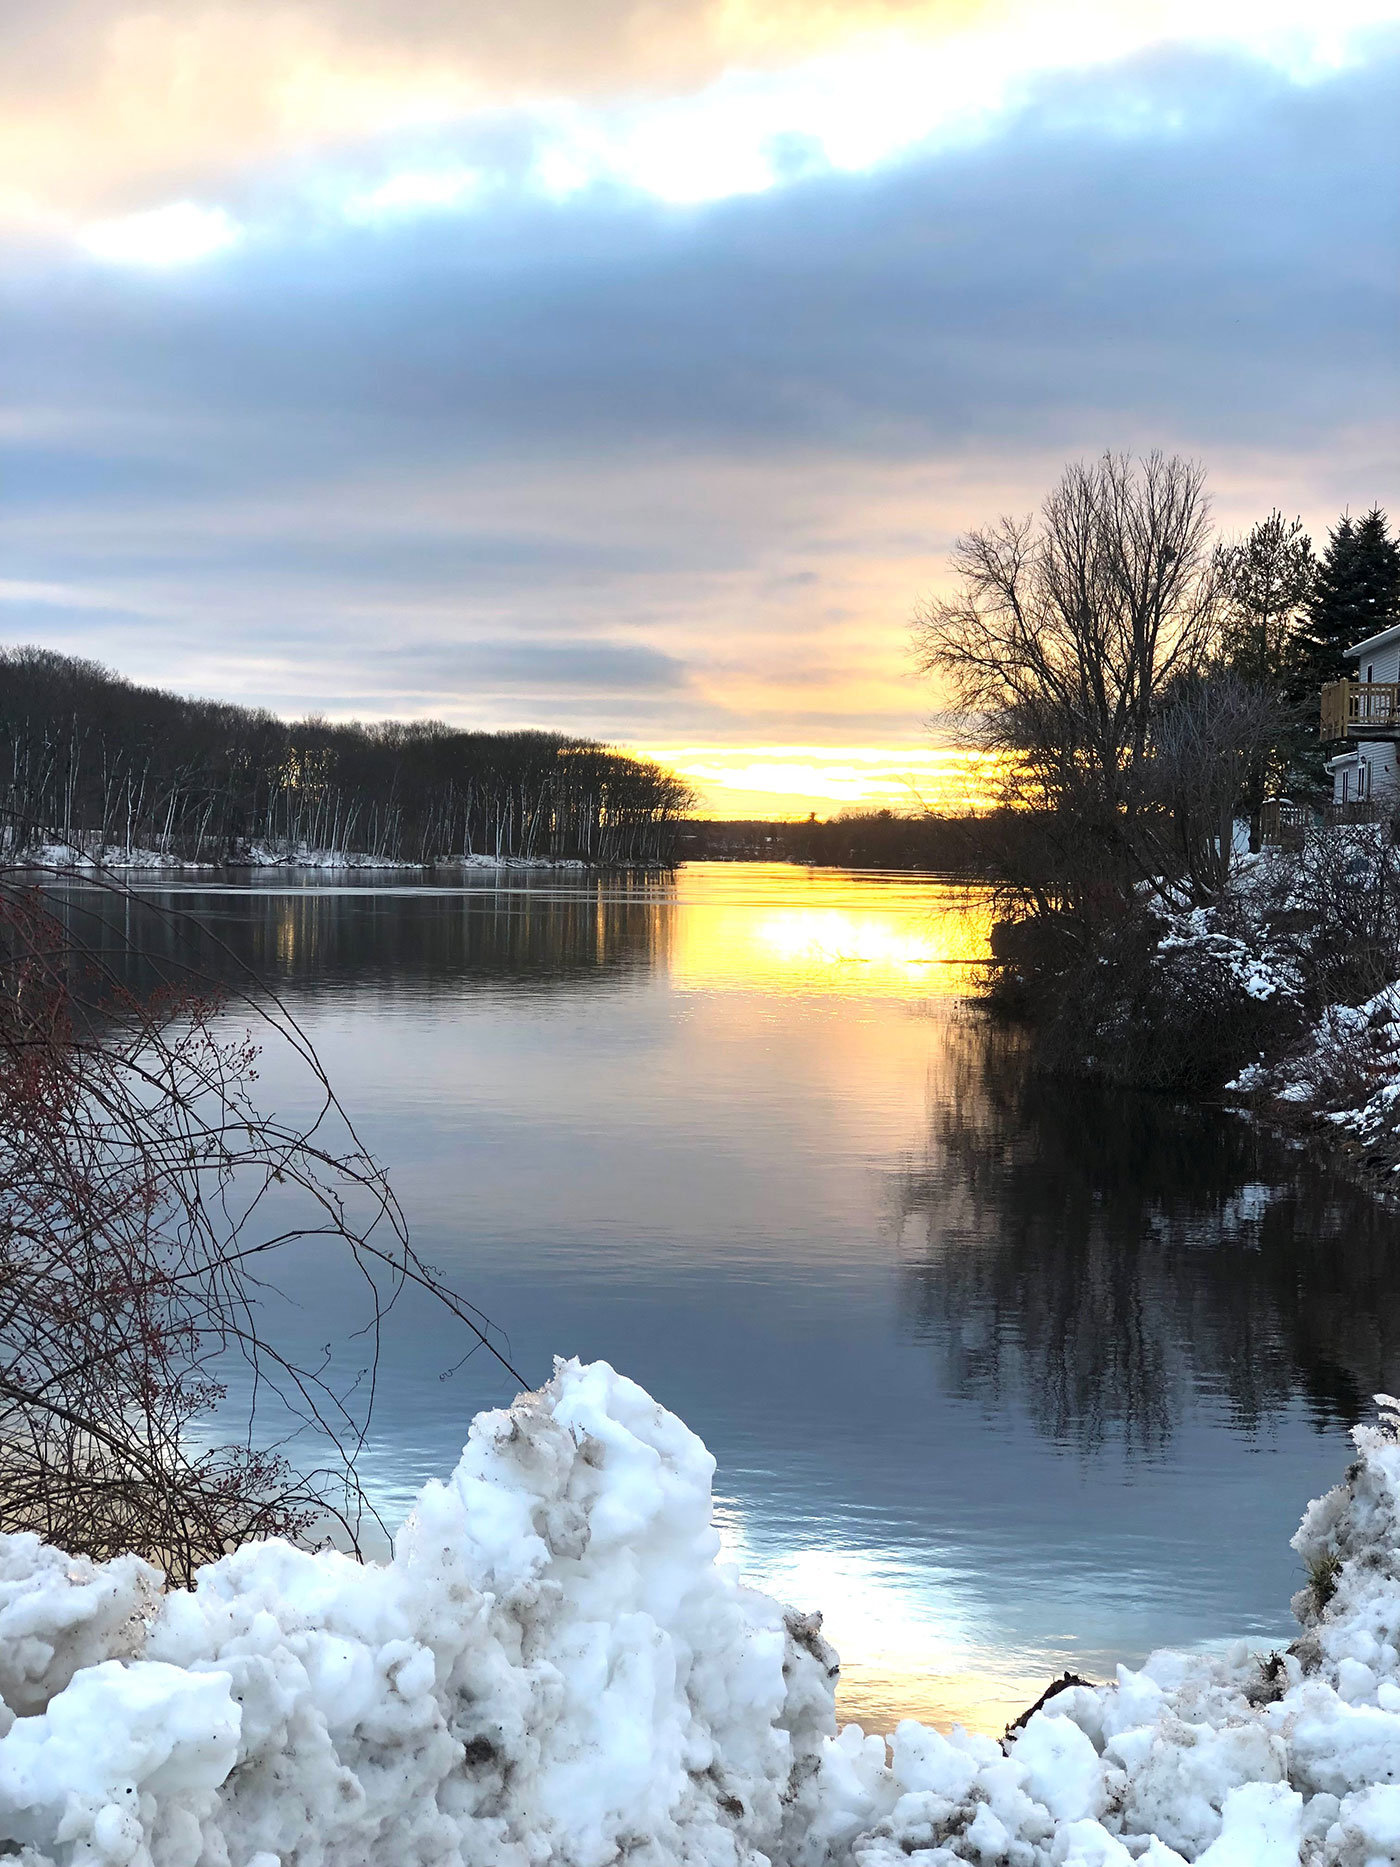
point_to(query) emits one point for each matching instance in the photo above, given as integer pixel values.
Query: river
(1004, 1376)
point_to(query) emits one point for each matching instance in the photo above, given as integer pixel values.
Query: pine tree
(1266, 585)
(1356, 594)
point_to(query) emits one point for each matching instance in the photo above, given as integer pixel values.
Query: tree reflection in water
(1105, 1260)
(513, 929)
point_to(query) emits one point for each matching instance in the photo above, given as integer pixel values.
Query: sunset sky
(629, 368)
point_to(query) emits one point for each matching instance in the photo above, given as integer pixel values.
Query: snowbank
(1347, 1070)
(555, 1668)
(303, 856)
(283, 856)
(111, 856)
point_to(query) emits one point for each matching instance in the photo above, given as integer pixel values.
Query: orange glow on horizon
(790, 782)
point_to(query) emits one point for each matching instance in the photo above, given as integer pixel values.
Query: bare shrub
(1162, 1010)
(145, 1204)
(1210, 738)
(1334, 907)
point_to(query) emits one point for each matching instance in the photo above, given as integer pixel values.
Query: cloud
(1227, 259)
(111, 106)
(691, 467)
(176, 235)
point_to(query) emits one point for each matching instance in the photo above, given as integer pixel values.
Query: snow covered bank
(555, 1668)
(288, 856)
(1346, 1073)
(110, 856)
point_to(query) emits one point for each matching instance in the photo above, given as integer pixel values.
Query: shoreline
(67, 860)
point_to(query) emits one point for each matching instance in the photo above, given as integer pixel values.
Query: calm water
(1003, 1377)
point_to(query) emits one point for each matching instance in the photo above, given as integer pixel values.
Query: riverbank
(1282, 994)
(556, 1666)
(1338, 1091)
(258, 856)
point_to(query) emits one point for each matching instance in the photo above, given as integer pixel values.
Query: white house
(1364, 713)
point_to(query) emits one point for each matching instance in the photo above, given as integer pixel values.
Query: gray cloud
(560, 423)
(1251, 227)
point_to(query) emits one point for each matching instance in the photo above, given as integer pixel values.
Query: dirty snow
(557, 1668)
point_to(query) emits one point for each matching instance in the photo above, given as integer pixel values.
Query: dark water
(1005, 1377)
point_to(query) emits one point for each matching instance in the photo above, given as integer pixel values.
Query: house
(1364, 714)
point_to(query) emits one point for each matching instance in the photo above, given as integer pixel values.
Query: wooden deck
(1361, 710)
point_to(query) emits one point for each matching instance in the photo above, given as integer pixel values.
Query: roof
(1375, 641)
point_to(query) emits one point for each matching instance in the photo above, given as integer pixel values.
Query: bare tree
(146, 1206)
(86, 757)
(1210, 738)
(1067, 629)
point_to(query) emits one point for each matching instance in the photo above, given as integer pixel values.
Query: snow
(556, 1667)
(1196, 935)
(70, 856)
(52, 855)
(1347, 1068)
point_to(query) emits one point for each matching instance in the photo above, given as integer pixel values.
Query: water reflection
(883, 939)
(1005, 1378)
(711, 927)
(1101, 1260)
(514, 931)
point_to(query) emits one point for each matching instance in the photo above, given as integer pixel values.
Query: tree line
(955, 843)
(95, 761)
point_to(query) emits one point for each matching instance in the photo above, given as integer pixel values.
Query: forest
(93, 761)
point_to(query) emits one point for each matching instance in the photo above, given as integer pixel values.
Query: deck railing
(1355, 709)
(1282, 823)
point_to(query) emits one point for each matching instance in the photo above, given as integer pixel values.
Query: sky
(629, 367)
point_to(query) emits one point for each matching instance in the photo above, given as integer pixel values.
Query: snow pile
(571, 863)
(555, 1668)
(1286, 1760)
(304, 856)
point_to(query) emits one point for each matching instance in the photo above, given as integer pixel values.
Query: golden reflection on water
(835, 934)
(912, 1635)
(877, 1698)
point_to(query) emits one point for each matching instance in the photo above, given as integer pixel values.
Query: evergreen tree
(1356, 594)
(1266, 582)
(1266, 585)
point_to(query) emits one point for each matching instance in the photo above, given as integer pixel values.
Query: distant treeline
(90, 759)
(963, 845)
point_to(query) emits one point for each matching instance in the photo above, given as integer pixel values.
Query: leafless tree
(146, 1205)
(1067, 629)
(1210, 737)
(93, 761)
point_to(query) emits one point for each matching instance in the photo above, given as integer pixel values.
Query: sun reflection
(913, 1637)
(850, 938)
